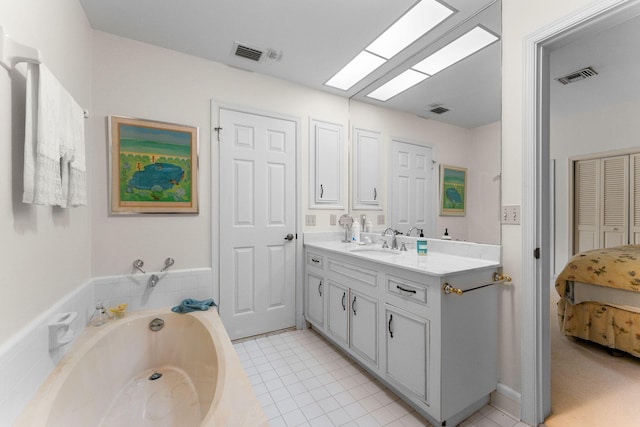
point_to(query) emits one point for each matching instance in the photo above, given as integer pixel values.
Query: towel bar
(12, 52)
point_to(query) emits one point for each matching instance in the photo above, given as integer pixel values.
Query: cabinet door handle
(353, 305)
(389, 326)
(317, 261)
(321, 191)
(320, 288)
(375, 194)
(344, 307)
(411, 291)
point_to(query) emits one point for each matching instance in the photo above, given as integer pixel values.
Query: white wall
(605, 130)
(139, 80)
(519, 20)
(484, 184)
(45, 252)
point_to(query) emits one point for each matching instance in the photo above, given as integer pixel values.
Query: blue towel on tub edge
(189, 305)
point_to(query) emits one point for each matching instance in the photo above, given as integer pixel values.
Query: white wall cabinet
(326, 176)
(437, 351)
(366, 178)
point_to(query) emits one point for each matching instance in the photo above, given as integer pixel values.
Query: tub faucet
(394, 242)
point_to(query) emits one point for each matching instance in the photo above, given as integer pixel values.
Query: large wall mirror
(397, 160)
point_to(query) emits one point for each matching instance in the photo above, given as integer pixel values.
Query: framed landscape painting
(154, 166)
(453, 192)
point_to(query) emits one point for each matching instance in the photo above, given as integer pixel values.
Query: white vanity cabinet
(315, 289)
(436, 350)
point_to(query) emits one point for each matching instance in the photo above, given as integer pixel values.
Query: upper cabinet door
(326, 177)
(367, 148)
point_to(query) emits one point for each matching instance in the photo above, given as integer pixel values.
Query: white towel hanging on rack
(54, 168)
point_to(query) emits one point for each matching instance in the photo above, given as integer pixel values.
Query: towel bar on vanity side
(497, 278)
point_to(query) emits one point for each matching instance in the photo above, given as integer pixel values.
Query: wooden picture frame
(154, 166)
(453, 190)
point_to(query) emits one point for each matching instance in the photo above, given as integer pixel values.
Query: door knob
(289, 237)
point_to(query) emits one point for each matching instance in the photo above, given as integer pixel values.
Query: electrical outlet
(332, 219)
(380, 219)
(510, 215)
(310, 220)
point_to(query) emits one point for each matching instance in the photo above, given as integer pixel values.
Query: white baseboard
(507, 400)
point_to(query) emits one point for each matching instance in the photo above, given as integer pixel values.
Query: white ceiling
(614, 53)
(316, 39)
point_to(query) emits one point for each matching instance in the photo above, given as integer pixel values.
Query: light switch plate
(380, 219)
(510, 214)
(332, 219)
(310, 220)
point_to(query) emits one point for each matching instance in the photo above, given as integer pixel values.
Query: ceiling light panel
(412, 25)
(356, 70)
(397, 85)
(456, 51)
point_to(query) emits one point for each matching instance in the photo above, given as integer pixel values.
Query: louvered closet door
(614, 209)
(586, 177)
(634, 199)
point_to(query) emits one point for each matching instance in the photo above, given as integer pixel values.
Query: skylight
(399, 84)
(459, 49)
(412, 25)
(456, 51)
(356, 70)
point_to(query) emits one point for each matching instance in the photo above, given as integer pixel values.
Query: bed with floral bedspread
(612, 325)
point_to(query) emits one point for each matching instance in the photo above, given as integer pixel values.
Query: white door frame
(216, 206)
(536, 218)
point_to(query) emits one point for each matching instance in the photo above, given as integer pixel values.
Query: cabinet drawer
(315, 260)
(407, 289)
(350, 273)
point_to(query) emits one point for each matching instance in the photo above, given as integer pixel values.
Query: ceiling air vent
(439, 110)
(247, 52)
(577, 76)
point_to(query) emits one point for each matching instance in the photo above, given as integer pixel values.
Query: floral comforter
(613, 327)
(617, 267)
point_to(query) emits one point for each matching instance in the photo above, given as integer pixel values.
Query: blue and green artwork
(454, 181)
(155, 164)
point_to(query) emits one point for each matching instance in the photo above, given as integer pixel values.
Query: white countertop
(434, 263)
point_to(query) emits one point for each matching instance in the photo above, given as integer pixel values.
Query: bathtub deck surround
(410, 320)
(124, 374)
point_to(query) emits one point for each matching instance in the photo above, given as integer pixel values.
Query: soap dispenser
(99, 316)
(355, 232)
(421, 245)
(446, 236)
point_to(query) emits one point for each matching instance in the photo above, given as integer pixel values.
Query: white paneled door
(257, 223)
(411, 187)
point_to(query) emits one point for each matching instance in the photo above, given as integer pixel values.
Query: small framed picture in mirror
(453, 190)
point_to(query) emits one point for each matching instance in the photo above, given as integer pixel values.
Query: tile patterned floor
(302, 380)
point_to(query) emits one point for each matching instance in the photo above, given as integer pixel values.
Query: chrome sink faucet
(394, 242)
(411, 230)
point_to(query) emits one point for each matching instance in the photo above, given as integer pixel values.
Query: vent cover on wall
(247, 52)
(577, 76)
